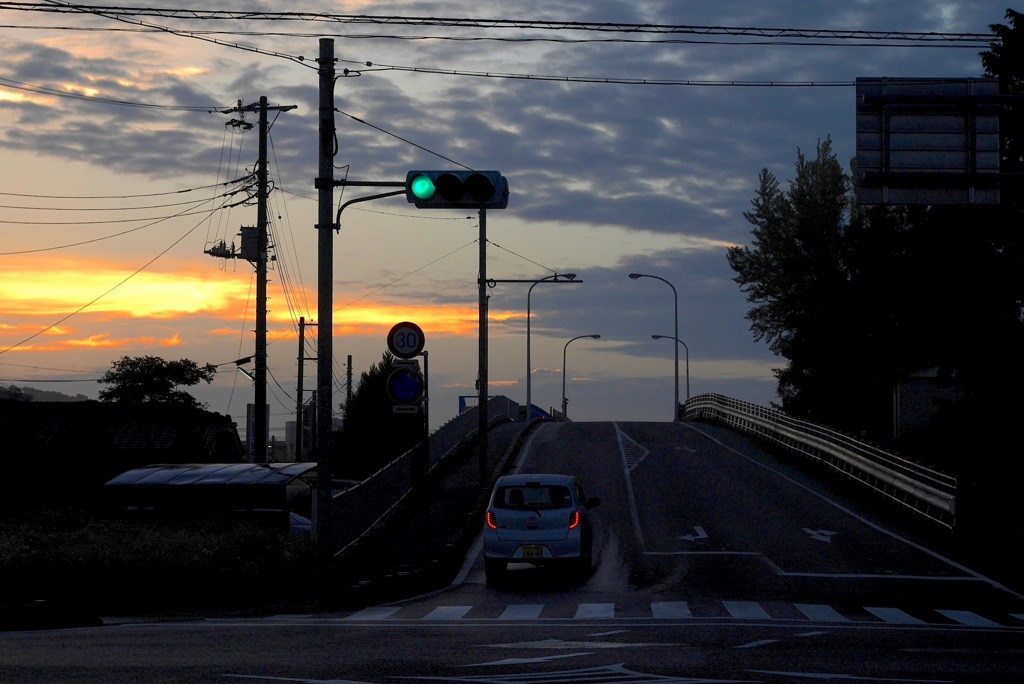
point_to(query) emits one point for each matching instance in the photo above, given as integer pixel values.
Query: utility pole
(325, 297)
(258, 255)
(348, 383)
(300, 404)
(260, 417)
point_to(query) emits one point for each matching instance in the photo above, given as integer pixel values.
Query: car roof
(537, 478)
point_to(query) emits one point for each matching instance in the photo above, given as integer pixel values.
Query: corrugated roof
(214, 474)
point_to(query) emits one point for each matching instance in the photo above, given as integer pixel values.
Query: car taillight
(491, 520)
(574, 519)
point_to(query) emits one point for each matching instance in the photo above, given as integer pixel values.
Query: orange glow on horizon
(95, 304)
(37, 289)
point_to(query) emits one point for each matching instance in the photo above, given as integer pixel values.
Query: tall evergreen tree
(373, 434)
(797, 278)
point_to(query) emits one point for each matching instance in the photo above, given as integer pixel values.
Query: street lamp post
(687, 349)
(557, 277)
(565, 349)
(675, 311)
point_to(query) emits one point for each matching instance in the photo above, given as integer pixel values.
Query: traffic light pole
(481, 381)
(325, 300)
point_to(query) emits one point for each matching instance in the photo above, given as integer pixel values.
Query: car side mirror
(593, 502)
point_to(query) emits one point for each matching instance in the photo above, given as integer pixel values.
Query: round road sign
(405, 386)
(405, 340)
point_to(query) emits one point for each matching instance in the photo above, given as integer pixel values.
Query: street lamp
(675, 311)
(557, 277)
(669, 337)
(564, 350)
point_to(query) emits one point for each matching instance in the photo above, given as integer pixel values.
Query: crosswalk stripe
(894, 615)
(522, 611)
(747, 610)
(447, 613)
(966, 617)
(744, 610)
(589, 611)
(374, 613)
(671, 609)
(820, 613)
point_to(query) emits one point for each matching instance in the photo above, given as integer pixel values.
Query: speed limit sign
(405, 340)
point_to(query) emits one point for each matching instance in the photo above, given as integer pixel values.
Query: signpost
(407, 386)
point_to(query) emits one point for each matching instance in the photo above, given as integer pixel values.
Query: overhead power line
(244, 179)
(43, 90)
(516, 24)
(433, 38)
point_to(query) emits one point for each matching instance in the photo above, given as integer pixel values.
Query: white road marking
(747, 610)
(894, 615)
(820, 535)
(447, 613)
(756, 644)
(522, 611)
(820, 613)
(671, 609)
(966, 617)
(588, 611)
(374, 613)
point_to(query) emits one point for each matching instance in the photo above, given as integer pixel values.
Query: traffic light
(456, 189)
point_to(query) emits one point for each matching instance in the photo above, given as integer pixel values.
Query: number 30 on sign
(405, 340)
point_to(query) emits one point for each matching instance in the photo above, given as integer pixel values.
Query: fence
(363, 508)
(924, 490)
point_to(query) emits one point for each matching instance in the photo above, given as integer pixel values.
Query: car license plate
(533, 552)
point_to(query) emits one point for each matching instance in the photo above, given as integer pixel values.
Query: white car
(538, 519)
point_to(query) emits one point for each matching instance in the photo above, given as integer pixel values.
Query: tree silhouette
(796, 276)
(372, 433)
(153, 379)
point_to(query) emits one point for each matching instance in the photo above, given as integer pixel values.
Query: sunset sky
(625, 151)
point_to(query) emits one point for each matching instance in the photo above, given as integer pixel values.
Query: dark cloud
(657, 163)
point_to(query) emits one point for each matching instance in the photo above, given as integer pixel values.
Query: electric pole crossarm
(256, 106)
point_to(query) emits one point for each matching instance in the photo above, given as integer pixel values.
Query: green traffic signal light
(458, 189)
(422, 187)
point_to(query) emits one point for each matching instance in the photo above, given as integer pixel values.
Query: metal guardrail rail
(362, 509)
(923, 490)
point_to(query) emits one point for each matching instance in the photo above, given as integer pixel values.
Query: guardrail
(921, 489)
(365, 507)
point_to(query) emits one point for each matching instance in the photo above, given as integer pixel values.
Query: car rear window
(533, 497)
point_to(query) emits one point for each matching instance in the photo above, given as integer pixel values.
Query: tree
(856, 298)
(153, 379)
(796, 276)
(1004, 60)
(13, 394)
(373, 434)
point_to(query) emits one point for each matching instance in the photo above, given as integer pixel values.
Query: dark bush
(118, 565)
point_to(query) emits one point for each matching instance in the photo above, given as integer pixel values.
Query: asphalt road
(716, 563)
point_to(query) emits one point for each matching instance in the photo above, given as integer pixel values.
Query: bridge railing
(921, 489)
(368, 505)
